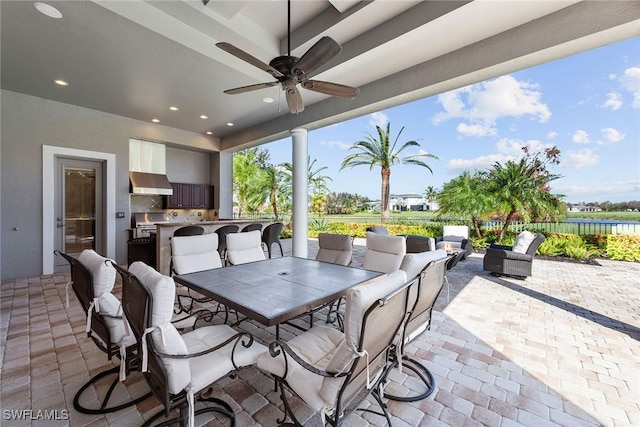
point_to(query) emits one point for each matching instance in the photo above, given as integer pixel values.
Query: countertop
(220, 221)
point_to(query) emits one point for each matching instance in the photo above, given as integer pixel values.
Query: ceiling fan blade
(319, 54)
(333, 89)
(249, 88)
(241, 54)
(294, 100)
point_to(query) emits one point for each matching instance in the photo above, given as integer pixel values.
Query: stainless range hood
(150, 183)
(147, 168)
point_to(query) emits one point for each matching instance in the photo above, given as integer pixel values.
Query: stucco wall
(28, 123)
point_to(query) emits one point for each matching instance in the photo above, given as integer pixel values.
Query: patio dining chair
(422, 297)
(92, 280)
(180, 369)
(244, 247)
(251, 227)
(384, 253)
(222, 239)
(335, 248)
(271, 235)
(334, 372)
(190, 254)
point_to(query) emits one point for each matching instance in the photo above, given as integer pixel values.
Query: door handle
(60, 225)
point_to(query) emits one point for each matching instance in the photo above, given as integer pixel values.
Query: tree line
(515, 190)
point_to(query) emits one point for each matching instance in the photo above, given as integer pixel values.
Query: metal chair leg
(104, 408)
(423, 374)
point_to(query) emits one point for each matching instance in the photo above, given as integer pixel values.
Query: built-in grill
(142, 247)
(145, 222)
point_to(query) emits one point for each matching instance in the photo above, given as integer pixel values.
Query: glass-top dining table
(276, 290)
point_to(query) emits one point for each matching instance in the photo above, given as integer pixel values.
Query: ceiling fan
(289, 71)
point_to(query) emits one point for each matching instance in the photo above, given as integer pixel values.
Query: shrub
(622, 247)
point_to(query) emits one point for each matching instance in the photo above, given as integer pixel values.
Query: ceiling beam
(574, 29)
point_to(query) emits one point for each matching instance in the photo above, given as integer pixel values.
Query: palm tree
(430, 194)
(523, 188)
(247, 168)
(381, 152)
(316, 181)
(466, 196)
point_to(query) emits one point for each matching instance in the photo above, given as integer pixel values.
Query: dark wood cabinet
(190, 196)
(202, 196)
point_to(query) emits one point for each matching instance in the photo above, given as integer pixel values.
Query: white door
(79, 207)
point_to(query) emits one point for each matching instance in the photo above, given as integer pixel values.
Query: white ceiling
(137, 58)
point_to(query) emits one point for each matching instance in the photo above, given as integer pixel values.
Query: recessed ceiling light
(155, 120)
(209, 132)
(267, 100)
(229, 124)
(173, 108)
(48, 10)
(204, 117)
(61, 82)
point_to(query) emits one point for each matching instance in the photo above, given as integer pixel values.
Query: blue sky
(588, 105)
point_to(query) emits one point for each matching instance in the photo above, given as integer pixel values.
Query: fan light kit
(48, 10)
(289, 71)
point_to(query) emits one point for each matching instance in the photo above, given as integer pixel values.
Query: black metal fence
(571, 227)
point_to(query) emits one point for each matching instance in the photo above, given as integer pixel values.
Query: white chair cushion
(244, 247)
(162, 289)
(167, 340)
(119, 330)
(384, 253)
(212, 366)
(523, 241)
(195, 253)
(360, 298)
(335, 248)
(461, 231)
(104, 274)
(316, 347)
(412, 264)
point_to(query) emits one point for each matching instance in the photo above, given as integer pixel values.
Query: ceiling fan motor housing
(284, 64)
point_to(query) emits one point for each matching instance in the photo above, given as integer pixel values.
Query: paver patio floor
(560, 348)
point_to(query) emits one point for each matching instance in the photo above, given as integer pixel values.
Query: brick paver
(561, 348)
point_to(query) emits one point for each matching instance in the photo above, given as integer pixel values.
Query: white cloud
(457, 166)
(622, 190)
(614, 101)
(476, 129)
(552, 135)
(513, 147)
(378, 119)
(507, 149)
(335, 144)
(488, 101)
(581, 137)
(612, 135)
(631, 82)
(579, 159)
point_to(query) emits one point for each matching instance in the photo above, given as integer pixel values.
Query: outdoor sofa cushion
(523, 241)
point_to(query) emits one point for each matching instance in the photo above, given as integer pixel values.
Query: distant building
(584, 208)
(411, 202)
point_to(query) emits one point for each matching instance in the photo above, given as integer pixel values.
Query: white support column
(300, 217)
(224, 184)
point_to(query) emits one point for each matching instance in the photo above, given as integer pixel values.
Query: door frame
(49, 154)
